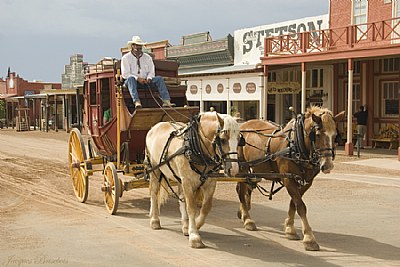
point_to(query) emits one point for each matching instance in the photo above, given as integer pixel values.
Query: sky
(37, 37)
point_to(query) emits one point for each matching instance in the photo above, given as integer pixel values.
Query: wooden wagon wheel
(111, 188)
(76, 160)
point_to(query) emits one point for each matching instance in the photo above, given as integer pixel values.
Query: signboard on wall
(249, 42)
(283, 87)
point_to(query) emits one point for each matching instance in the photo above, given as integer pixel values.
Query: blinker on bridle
(313, 138)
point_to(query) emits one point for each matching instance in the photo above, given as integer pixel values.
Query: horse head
(225, 138)
(320, 128)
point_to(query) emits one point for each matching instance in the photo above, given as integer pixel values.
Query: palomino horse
(297, 153)
(188, 154)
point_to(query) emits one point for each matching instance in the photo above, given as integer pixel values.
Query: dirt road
(42, 224)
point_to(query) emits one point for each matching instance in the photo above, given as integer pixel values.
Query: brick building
(15, 92)
(352, 63)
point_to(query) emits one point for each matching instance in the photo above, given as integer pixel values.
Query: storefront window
(193, 89)
(251, 88)
(237, 88)
(220, 88)
(391, 64)
(208, 89)
(315, 78)
(390, 99)
(272, 76)
(356, 97)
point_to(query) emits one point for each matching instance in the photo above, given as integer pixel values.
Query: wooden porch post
(65, 113)
(12, 114)
(348, 147)
(303, 87)
(47, 113)
(56, 114)
(264, 95)
(228, 101)
(34, 113)
(201, 96)
(7, 117)
(398, 149)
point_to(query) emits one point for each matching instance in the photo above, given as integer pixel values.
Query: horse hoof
(239, 214)
(155, 224)
(250, 225)
(311, 246)
(185, 231)
(292, 236)
(196, 243)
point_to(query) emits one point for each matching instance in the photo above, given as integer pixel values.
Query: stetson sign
(249, 42)
(283, 87)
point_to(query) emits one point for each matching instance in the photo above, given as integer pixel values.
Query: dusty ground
(355, 222)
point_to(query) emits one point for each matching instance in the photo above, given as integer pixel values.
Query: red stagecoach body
(100, 94)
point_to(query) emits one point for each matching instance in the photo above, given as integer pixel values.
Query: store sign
(283, 87)
(249, 42)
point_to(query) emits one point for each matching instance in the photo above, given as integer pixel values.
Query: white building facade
(242, 89)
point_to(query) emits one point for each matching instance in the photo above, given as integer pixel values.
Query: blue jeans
(157, 81)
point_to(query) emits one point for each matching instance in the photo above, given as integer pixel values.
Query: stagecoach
(196, 147)
(117, 131)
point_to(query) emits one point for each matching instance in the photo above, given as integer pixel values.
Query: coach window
(105, 99)
(92, 91)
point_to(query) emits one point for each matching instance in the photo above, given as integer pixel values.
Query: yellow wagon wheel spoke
(111, 188)
(76, 161)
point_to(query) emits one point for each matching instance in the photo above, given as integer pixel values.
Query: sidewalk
(373, 157)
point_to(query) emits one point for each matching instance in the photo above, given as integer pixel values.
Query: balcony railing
(371, 34)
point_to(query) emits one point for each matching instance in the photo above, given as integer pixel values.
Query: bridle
(301, 152)
(201, 162)
(217, 146)
(325, 151)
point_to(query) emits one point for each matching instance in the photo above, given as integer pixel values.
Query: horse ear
(220, 120)
(316, 119)
(340, 116)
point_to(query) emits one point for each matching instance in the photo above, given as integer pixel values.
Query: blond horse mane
(230, 125)
(326, 115)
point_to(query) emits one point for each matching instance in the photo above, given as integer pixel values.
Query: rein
(193, 152)
(196, 155)
(296, 149)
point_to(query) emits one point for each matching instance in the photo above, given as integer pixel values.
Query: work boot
(167, 103)
(138, 104)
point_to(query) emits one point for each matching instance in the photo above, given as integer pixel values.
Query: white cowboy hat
(135, 40)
